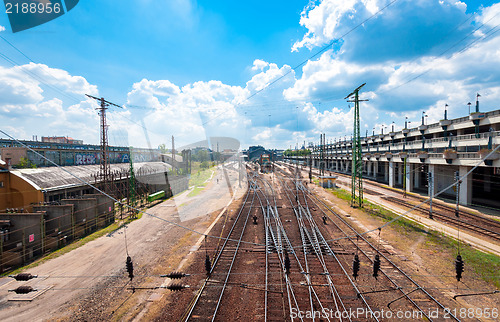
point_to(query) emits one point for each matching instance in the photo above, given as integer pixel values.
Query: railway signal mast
(357, 162)
(104, 169)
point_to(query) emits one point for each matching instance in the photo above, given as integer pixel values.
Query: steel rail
(358, 235)
(279, 227)
(350, 280)
(197, 297)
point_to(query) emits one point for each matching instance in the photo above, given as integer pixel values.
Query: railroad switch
(355, 266)
(208, 264)
(130, 267)
(25, 289)
(376, 266)
(175, 275)
(255, 220)
(23, 276)
(459, 267)
(324, 220)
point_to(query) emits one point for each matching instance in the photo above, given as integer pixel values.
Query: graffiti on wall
(85, 158)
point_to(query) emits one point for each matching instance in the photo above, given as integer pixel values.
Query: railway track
(206, 303)
(304, 252)
(478, 224)
(394, 285)
(483, 226)
(326, 276)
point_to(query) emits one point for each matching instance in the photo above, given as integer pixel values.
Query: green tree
(25, 163)
(163, 148)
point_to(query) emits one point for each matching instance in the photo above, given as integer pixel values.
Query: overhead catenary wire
(116, 200)
(323, 49)
(245, 242)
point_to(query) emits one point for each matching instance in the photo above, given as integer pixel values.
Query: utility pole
(310, 167)
(173, 152)
(404, 177)
(131, 182)
(431, 192)
(457, 179)
(104, 169)
(357, 161)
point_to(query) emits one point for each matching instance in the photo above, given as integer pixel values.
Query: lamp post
(469, 104)
(423, 116)
(423, 130)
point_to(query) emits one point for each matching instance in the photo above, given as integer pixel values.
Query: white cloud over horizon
(403, 79)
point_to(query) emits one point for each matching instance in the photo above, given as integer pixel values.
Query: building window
(1, 184)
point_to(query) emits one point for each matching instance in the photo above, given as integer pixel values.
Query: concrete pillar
(417, 175)
(408, 176)
(375, 169)
(386, 172)
(465, 187)
(391, 174)
(400, 173)
(368, 168)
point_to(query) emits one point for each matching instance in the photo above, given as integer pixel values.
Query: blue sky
(192, 64)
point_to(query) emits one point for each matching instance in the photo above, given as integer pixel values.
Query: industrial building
(43, 207)
(439, 151)
(67, 154)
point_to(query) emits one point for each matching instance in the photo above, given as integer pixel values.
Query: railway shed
(42, 209)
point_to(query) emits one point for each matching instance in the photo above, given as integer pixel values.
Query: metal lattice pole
(357, 162)
(104, 169)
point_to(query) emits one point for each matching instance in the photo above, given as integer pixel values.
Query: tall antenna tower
(104, 169)
(357, 161)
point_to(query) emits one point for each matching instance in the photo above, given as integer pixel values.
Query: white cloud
(259, 64)
(313, 98)
(324, 22)
(2, 28)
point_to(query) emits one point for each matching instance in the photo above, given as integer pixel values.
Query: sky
(271, 73)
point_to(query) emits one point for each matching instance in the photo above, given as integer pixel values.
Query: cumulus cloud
(2, 28)
(401, 82)
(47, 101)
(404, 30)
(407, 72)
(259, 64)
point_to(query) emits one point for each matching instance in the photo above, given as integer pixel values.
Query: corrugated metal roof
(52, 178)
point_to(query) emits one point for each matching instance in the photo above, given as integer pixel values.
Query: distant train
(265, 163)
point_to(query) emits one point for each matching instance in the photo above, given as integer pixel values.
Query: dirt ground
(90, 282)
(427, 262)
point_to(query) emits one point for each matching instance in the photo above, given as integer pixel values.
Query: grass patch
(401, 224)
(484, 265)
(198, 181)
(74, 245)
(200, 177)
(196, 191)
